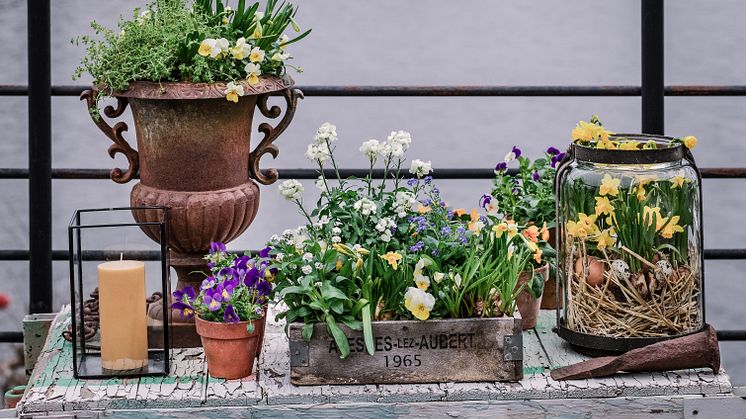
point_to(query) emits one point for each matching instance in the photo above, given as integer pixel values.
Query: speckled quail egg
(663, 269)
(620, 269)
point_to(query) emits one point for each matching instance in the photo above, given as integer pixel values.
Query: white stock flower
(336, 231)
(319, 182)
(307, 257)
(306, 269)
(336, 239)
(365, 206)
(385, 224)
(280, 257)
(420, 168)
(291, 189)
(326, 133)
(386, 236)
(318, 152)
(402, 138)
(371, 149)
(319, 265)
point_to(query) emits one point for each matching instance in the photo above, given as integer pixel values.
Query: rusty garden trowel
(698, 350)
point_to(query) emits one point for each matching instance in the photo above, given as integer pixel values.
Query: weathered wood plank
(461, 350)
(184, 387)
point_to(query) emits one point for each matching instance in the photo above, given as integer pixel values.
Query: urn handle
(115, 134)
(271, 133)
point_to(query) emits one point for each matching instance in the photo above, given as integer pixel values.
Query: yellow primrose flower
(609, 186)
(422, 281)
(603, 206)
(256, 55)
(629, 145)
(605, 239)
(253, 71)
(392, 258)
(672, 227)
(689, 141)
(499, 229)
(677, 181)
(419, 303)
(532, 233)
(233, 91)
(422, 209)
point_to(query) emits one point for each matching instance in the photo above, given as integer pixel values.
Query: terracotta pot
(13, 396)
(528, 306)
(229, 349)
(549, 298)
(194, 157)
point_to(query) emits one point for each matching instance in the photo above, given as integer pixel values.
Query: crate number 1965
(398, 361)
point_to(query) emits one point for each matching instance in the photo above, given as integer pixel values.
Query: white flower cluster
(371, 149)
(395, 146)
(404, 203)
(318, 152)
(327, 133)
(336, 231)
(384, 226)
(291, 189)
(296, 237)
(420, 168)
(365, 206)
(322, 221)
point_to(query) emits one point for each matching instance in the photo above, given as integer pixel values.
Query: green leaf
(250, 327)
(307, 331)
(368, 330)
(339, 337)
(337, 306)
(352, 323)
(330, 291)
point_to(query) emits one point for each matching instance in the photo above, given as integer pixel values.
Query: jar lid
(665, 154)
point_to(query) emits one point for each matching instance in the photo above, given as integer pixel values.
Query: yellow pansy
(253, 71)
(256, 55)
(422, 281)
(629, 145)
(419, 303)
(499, 229)
(603, 206)
(672, 227)
(241, 50)
(609, 186)
(606, 239)
(392, 258)
(233, 91)
(689, 141)
(677, 181)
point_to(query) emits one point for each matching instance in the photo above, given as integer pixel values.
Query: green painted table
(189, 391)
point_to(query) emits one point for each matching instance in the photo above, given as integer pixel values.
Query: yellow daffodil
(392, 258)
(689, 141)
(609, 186)
(256, 55)
(422, 209)
(649, 213)
(585, 226)
(544, 232)
(677, 181)
(532, 233)
(499, 229)
(584, 131)
(512, 229)
(537, 255)
(422, 281)
(603, 206)
(605, 239)
(419, 303)
(629, 145)
(672, 227)
(253, 71)
(233, 91)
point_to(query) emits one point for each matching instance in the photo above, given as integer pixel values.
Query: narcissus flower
(586, 225)
(532, 233)
(603, 206)
(253, 71)
(419, 303)
(282, 41)
(609, 186)
(689, 141)
(499, 229)
(629, 145)
(233, 91)
(671, 227)
(606, 239)
(544, 232)
(677, 181)
(392, 258)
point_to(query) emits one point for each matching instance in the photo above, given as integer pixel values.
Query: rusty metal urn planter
(194, 157)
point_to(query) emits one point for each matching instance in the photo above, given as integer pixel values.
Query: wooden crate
(411, 351)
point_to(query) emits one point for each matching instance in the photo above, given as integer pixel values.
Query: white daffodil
(233, 91)
(371, 149)
(253, 71)
(241, 50)
(420, 168)
(257, 34)
(291, 189)
(256, 55)
(457, 280)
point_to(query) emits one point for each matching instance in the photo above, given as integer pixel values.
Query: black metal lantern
(119, 331)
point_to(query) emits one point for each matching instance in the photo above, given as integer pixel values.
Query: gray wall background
(391, 42)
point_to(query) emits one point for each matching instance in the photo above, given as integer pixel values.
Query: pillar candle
(122, 315)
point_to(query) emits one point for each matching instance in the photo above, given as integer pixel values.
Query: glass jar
(630, 259)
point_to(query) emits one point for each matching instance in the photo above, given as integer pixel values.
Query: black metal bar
(11, 337)
(476, 173)
(652, 66)
(731, 335)
(40, 156)
(445, 91)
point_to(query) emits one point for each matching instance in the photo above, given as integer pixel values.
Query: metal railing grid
(40, 172)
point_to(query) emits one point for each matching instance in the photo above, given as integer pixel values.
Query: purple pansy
(187, 291)
(485, 200)
(263, 288)
(225, 290)
(212, 300)
(217, 247)
(516, 151)
(264, 253)
(252, 275)
(553, 151)
(186, 310)
(207, 283)
(230, 315)
(501, 167)
(556, 159)
(536, 176)
(417, 246)
(241, 262)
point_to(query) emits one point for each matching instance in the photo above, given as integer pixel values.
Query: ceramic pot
(528, 306)
(230, 350)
